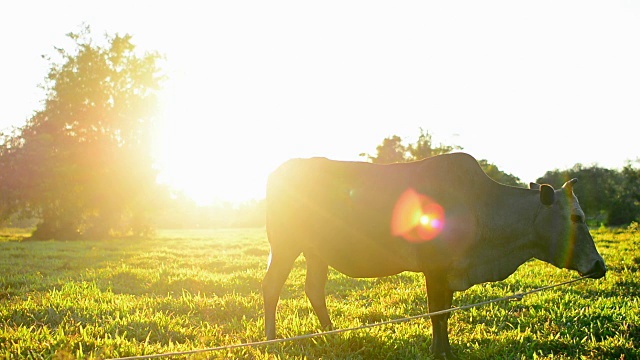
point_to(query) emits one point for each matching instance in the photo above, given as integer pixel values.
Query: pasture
(184, 290)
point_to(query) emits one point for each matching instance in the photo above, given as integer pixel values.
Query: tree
(626, 204)
(83, 164)
(392, 150)
(498, 175)
(423, 148)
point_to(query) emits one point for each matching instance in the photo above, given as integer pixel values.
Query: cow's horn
(569, 184)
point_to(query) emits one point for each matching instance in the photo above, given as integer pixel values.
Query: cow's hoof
(442, 352)
(446, 355)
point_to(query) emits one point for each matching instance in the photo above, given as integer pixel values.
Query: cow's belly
(358, 259)
(372, 269)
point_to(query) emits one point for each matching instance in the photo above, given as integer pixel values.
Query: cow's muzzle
(598, 270)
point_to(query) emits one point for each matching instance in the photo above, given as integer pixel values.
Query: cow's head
(563, 234)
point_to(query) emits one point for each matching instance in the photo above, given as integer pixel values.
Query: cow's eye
(576, 218)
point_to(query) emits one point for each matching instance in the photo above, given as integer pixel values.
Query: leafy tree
(423, 148)
(392, 150)
(626, 203)
(498, 175)
(83, 164)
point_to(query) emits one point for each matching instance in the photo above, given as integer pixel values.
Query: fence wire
(516, 296)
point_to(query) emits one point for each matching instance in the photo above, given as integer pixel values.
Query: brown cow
(442, 216)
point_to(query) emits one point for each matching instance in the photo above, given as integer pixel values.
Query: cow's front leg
(440, 298)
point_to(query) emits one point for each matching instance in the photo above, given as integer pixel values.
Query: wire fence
(516, 296)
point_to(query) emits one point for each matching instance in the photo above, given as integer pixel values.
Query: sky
(528, 86)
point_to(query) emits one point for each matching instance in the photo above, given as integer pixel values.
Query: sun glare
(196, 168)
(207, 159)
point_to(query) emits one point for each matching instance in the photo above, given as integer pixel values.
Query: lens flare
(416, 217)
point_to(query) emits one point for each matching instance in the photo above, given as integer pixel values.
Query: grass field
(186, 290)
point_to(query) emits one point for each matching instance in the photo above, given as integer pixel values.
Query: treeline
(608, 197)
(82, 167)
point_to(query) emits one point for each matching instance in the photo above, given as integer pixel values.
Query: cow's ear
(534, 186)
(547, 195)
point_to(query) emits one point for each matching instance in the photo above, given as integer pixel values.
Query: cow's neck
(505, 239)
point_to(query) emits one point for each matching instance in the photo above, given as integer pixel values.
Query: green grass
(186, 290)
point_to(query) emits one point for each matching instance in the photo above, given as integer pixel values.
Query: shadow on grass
(361, 344)
(625, 287)
(492, 348)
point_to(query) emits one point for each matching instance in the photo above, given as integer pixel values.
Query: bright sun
(208, 167)
(207, 160)
(193, 165)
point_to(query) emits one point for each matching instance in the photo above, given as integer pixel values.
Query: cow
(441, 216)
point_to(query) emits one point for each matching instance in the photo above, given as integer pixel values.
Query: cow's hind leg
(280, 264)
(317, 271)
